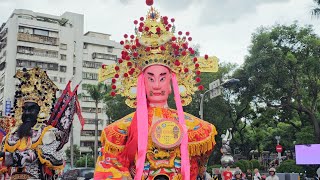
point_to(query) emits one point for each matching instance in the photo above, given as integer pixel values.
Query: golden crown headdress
(35, 86)
(154, 42)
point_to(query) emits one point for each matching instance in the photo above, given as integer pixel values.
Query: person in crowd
(272, 174)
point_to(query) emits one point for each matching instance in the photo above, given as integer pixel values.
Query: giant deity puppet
(155, 142)
(32, 147)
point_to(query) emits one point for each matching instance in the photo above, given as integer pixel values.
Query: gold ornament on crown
(35, 86)
(154, 43)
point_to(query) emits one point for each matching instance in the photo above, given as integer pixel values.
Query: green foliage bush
(289, 166)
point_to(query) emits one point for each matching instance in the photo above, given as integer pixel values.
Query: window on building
(87, 99)
(90, 76)
(62, 80)
(85, 45)
(89, 64)
(86, 143)
(104, 56)
(63, 57)
(63, 46)
(110, 49)
(89, 132)
(90, 110)
(41, 32)
(74, 70)
(63, 68)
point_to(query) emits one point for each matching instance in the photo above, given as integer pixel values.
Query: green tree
(282, 71)
(97, 93)
(76, 152)
(289, 166)
(316, 10)
(81, 162)
(113, 106)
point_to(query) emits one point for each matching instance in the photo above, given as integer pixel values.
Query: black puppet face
(29, 119)
(30, 113)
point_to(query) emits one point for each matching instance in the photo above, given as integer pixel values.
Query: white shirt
(318, 172)
(275, 177)
(257, 176)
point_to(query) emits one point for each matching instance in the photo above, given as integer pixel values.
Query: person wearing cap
(156, 142)
(237, 175)
(272, 174)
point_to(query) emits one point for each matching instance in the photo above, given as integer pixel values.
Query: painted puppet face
(157, 80)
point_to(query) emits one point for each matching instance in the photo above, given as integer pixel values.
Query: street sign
(215, 89)
(279, 148)
(8, 107)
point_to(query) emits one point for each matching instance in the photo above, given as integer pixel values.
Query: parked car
(78, 174)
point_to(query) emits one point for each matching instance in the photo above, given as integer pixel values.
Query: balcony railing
(38, 39)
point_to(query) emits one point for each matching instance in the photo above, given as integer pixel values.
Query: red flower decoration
(148, 49)
(132, 36)
(113, 93)
(149, 2)
(127, 46)
(141, 24)
(176, 53)
(128, 58)
(180, 32)
(206, 56)
(103, 66)
(198, 79)
(141, 18)
(198, 72)
(122, 42)
(195, 59)
(125, 35)
(187, 33)
(165, 18)
(132, 69)
(135, 54)
(184, 53)
(140, 29)
(189, 38)
(125, 75)
(185, 45)
(158, 29)
(186, 70)
(172, 20)
(135, 21)
(162, 48)
(129, 64)
(113, 86)
(200, 87)
(133, 47)
(116, 68)
(146, 28)
(114, 80)
(196, 65)
(173, 38)
(120, 61)
(177, 63)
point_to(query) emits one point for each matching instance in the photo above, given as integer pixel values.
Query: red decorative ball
(167, 28)
(158, 29)
(133, 47)
(165, 22)
(184, 53)
(103, 66)
(189, 38)
(125, 75)
(113, 93)
(198, 72)
(162, 48)
(135, 22)
(165, 18)
(196, 65)
(114, 87)
(206, 56)
(195, 59)
(173, 38)
(128, 58)
(130, 72)
(149, 2)
(200, 87)
(122, 42)
(114, 80)
(187, 33)
(186, 70)
(172, 19)
(176, 53)
(129, 63)
(148, 49)
(177, 63)
(116, 68)
(185, 45)
(180, 32)
(123, 56)
(140, 29)
(116, 75)
(198, 79)
(125, 35)
(127, 46)
(192, 52)
(132, 36)
(135, 54)
(141, 24)
(141, 18)
(146, 28)
(120, 61)
(169, 25)
(132, 69)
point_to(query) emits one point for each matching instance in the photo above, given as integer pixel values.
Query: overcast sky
(221, 27)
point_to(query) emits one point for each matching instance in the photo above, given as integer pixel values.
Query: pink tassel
(142, 126)
(185, 162)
